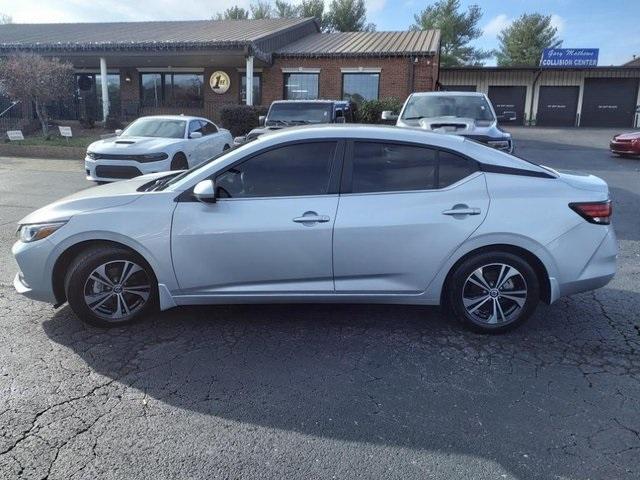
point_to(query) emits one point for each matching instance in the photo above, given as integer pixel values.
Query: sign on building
(15, 135)
(219, 82)
(65, 131)
(569, 57)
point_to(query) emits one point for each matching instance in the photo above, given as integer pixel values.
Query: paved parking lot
(321, 391)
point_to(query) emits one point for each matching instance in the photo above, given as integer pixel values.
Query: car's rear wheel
(110, 286)
(493, 292)
(179, 162)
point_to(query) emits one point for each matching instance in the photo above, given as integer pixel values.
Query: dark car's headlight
(37, 231)
(152, 157)
(500, 144)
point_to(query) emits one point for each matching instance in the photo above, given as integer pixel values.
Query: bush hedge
(370, 111)
(240, 119)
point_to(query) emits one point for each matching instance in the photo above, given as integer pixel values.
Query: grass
(57, 141)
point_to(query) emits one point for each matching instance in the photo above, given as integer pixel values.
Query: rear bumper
(598, 270)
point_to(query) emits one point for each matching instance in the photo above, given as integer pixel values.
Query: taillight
(594, 212)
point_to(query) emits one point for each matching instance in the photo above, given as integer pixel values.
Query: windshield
(156, 127)
(298, 113)
(461, 106)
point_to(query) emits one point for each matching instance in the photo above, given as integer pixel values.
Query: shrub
(240, 119)
(369, 111)
(87, 122)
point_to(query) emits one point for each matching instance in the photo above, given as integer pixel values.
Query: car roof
(448, 93)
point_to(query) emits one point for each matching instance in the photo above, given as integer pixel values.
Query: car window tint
(292, 170)
(208, 128)
(381, 167)
(195, 126)
(454, 168)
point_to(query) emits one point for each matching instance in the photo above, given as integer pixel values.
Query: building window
(257, 88)
(301, 86)
(172, 89)
(357, 87)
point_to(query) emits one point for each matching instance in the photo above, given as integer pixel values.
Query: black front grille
(107, 171)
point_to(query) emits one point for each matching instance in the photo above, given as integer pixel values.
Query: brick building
(139, 68)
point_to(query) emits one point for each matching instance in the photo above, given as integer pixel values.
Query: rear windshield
(298, 113)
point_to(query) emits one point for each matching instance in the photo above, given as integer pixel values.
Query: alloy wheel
(494, 294)
(117, 290)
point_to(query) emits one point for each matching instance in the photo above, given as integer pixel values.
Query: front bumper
(114, 170)
(34, 280)
(628, 148)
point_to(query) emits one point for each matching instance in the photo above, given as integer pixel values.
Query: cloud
(496, 25)
(558, 22)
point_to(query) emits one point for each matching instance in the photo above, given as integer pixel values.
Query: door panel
(609, 102)
(509, 100)
(397, 242)
(254, 245)
(557, 106)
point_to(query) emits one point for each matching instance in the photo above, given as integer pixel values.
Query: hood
(261, 130)
(628, 136)
(94, 198)
(132, 145)
(458, 126)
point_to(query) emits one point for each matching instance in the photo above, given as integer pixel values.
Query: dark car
(625, 144)
(289, 113)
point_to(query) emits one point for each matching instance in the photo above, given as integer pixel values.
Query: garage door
(508, 102)
(458, 88)
(609, 102)
(557, 106)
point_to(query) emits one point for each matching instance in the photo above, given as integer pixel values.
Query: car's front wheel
(493, 292)
(109, 286)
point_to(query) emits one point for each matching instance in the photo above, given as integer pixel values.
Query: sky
(613, 26)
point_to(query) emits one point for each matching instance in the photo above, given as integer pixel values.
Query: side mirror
(205, 191)
(118, 132)
(389, 115)
(261, 120)
(195, 135)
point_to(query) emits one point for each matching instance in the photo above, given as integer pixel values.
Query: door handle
(462, 211)
(309, 218)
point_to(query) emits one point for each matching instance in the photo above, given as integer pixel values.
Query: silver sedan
(327, 214)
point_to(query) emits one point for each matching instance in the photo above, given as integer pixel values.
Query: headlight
(152, 157)
(500, 144)
(37, 231)
(92, 155)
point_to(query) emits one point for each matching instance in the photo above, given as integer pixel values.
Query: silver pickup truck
(469, 114)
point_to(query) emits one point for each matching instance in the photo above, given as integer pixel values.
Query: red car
(625, 144)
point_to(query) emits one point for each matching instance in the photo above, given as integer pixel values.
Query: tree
(457, 30)
(522, 42)
(260, 9)
(233, 13)
(285, 9)
(5, 19)
(349, 16)
(36, 80)
(314, 8)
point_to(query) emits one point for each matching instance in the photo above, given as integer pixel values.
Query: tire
(179, 162)
(485, 292)
(98, 296)
(226, 147)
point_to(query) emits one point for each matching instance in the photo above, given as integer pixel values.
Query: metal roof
(425, 42)
(153, 35)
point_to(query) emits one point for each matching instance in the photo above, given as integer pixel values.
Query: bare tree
(34, 79)
(4, 19)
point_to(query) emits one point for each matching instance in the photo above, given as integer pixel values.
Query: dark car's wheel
(179, 162)
(109, 286)
(493, 292)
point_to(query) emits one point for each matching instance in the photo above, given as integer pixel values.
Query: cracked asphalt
(326, 391)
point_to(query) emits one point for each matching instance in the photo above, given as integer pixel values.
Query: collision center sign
(569, 57)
